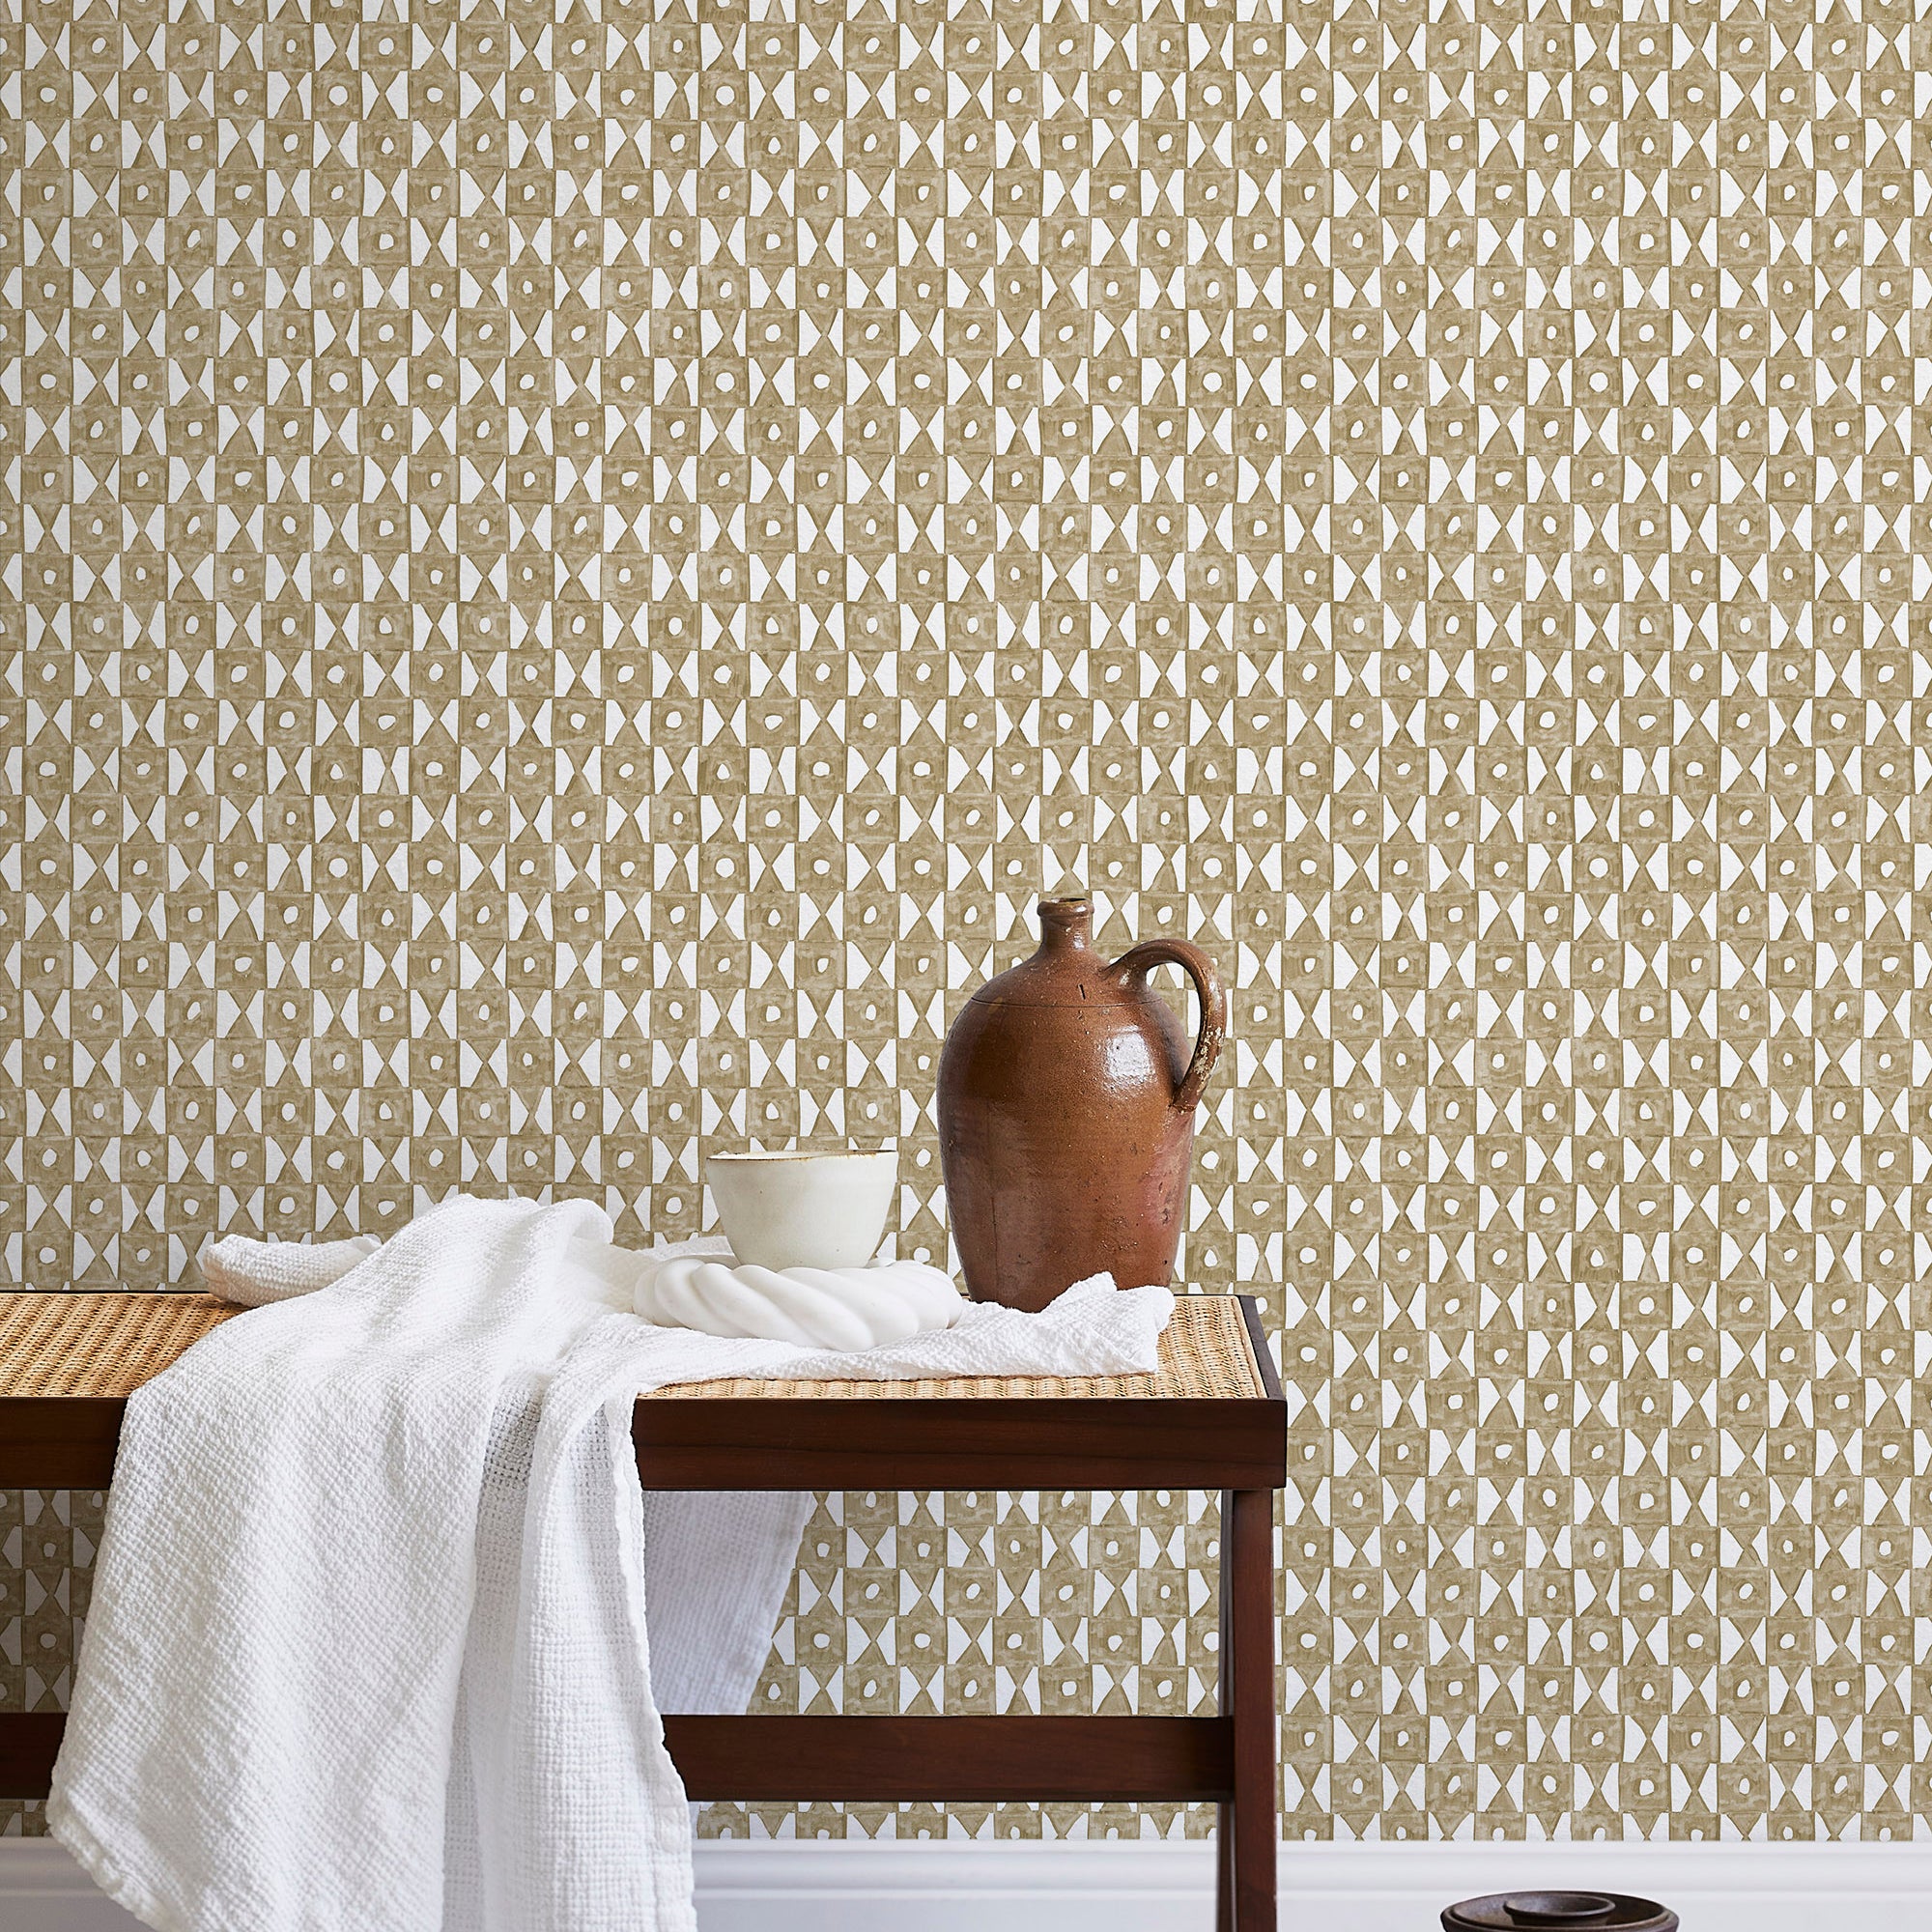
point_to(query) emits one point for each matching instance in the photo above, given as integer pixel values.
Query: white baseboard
(940, 1886)
(825, 1886)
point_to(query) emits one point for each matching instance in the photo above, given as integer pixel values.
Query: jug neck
(1065, 925)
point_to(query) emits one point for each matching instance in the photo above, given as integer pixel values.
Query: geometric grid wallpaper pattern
(568, 571)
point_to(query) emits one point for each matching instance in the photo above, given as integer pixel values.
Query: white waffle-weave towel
(367, 1649)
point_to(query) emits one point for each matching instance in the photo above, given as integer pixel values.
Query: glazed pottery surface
(805, 1209)
(1066, 1103)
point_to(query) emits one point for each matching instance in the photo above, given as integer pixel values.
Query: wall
(569, 573)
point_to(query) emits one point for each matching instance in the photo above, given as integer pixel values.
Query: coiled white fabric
(849, 1309)
(697, 1285)
(241, 1268)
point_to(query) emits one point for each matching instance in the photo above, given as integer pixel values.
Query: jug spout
(1066, 922)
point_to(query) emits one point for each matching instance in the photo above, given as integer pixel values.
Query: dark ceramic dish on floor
(1558, 1911)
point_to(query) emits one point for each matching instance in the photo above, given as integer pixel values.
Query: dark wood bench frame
(1237, 1446)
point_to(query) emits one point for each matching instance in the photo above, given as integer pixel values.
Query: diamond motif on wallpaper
(567, 572)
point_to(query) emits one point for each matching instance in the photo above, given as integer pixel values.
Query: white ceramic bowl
(804, 1209)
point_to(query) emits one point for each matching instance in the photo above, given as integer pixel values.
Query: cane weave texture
(568, 570)
(98, 1344)
(108, 1345)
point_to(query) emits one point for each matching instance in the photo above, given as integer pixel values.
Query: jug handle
(1140, 960)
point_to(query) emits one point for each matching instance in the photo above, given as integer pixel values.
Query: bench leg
(1224, 1861)
(1248, 1822)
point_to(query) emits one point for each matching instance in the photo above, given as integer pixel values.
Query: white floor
(1024, 1886)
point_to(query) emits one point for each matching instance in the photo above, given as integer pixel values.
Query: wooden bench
(1211, 1417)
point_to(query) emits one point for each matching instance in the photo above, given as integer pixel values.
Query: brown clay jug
(1067, 1100)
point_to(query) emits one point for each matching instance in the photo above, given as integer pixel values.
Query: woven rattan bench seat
(108, 1345)
(1209, 1417)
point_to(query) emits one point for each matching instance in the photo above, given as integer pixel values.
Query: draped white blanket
(367, 1648)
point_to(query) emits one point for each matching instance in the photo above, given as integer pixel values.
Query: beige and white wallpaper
(568, 571)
